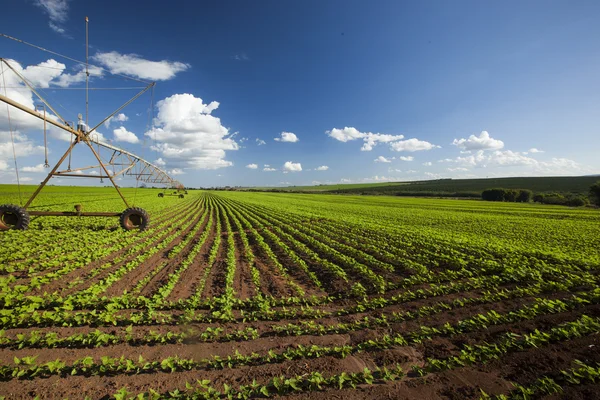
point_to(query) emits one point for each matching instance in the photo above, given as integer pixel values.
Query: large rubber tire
(134, 218)
(161, 195)
(13, 217)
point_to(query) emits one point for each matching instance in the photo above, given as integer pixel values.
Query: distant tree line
(526, 195)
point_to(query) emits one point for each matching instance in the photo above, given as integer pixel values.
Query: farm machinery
(110, 163)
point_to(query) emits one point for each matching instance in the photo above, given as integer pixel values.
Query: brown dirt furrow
(85, 271)
(129, 258)
(297, 273)
(103, 387)
(189, 280)
(242, 281)
(196, 351)
(172, 263)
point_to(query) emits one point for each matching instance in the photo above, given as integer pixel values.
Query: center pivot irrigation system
(112, 162)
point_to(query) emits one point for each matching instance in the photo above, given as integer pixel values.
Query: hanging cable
(68, 58)
(12, 138)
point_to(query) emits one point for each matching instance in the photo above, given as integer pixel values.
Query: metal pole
(49, 175)
(106, 171)
(33, 90)
(87, 75)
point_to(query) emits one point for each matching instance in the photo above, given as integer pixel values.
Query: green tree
(595, 193)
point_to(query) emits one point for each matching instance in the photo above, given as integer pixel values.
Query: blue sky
(386, 90)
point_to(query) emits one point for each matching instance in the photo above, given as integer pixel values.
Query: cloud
(160, 162)
(57, 11)
(370, 139)
(185, 130)
(481, 142)
(252, 166)
(176, 171)
(288, 137)
(534, 150)
(23, 146)
(260, 142)
(269, 169)
(66, 80)
(123, 135)
(322, 168)
(134, 65)
(292, 166)
(412, 145)
(457, 169)
(382, 159)
(37, 168)
(241, 57)
(119, 118)
(428, 164)
(406, 158)
(508, 158)
(42, 74)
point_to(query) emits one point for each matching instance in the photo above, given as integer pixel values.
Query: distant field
(456, 187)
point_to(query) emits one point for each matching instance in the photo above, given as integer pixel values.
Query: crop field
(255, 295)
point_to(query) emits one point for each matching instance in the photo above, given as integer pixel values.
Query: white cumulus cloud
(123, 135)
(482, 142)
(428, 164)
(37, 168)
(412, 145)
(185, 130)
(382, 159)
(292, 166)
(134, 65)
(57, 11)
(118, 118)
(260, 142)
(406, 158)
(370, 139)
(534, 150)
(322, 168)
(288, 137)
(252, 166)
(269, 169)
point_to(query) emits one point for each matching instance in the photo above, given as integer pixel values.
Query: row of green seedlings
(410, 281)
(16, 295)
(447, 253)
(451, 260)
(377, 282)
(150, 241)
(260, 232)
(315, 381)
(25, 368)
(268, 252)
(100, 287)
(98, 338)
(582, 374)
(143, 282)
(91, 294)
(213, 253)
(327, 239)
(109, 316)
(83, 257)
(165, 290)
(69, 250)
(468, 355)
(383, 300)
